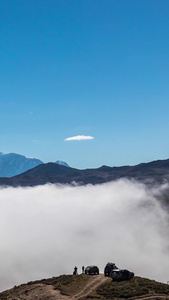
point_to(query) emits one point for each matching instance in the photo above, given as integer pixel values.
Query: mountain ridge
(155, 171)
(13, 164)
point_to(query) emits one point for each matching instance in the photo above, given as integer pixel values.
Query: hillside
(83, 287)
(156, 171)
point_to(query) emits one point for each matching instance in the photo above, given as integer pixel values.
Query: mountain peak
(62, 163)
(12, 164)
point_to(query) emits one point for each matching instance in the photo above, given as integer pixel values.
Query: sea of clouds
(47, 230)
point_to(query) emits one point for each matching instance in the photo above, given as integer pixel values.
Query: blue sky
(95, 68)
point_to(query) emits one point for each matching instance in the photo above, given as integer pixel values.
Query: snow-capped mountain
(12, 164)
(62, 163)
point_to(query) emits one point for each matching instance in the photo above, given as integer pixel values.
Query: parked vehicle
(117, 274)
(92, 270)
(120, 275)
(108, 268)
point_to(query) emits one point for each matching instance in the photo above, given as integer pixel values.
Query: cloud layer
(79, 138)
(47, 230)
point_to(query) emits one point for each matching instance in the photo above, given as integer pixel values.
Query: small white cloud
(79, 138)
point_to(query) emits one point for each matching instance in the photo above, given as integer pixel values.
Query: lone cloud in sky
(79, 138)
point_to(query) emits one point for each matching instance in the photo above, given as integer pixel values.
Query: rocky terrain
(83, 287)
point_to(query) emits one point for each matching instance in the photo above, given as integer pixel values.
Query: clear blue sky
(97, 68)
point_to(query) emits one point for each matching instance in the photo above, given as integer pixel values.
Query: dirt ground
(46, 292)
(40, 291)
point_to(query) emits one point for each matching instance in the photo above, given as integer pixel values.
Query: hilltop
(83, 287)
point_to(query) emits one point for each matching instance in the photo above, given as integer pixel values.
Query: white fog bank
(46, 230)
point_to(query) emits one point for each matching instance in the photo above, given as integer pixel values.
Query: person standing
(75, 271)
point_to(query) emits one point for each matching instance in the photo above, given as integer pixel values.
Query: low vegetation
(69, 285)
(132, 288)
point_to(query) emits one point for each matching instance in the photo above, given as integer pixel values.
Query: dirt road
(97, 280)
(46, 292)
(41, 291)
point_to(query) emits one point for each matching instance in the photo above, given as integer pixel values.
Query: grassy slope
(70, 285)
(132, 288)
(67, 284)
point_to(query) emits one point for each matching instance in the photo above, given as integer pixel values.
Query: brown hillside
(83, 287)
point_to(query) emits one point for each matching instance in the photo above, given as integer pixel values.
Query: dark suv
(108, 268)
(92, 270)
(117, 274)
(120, 275)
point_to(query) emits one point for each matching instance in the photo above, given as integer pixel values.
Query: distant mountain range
(155, 171)
(12, 164)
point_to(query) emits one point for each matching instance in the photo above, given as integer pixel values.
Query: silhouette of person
(75, 271)
(83, 269)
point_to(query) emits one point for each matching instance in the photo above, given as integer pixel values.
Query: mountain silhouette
(155, 171)
(12, 164)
